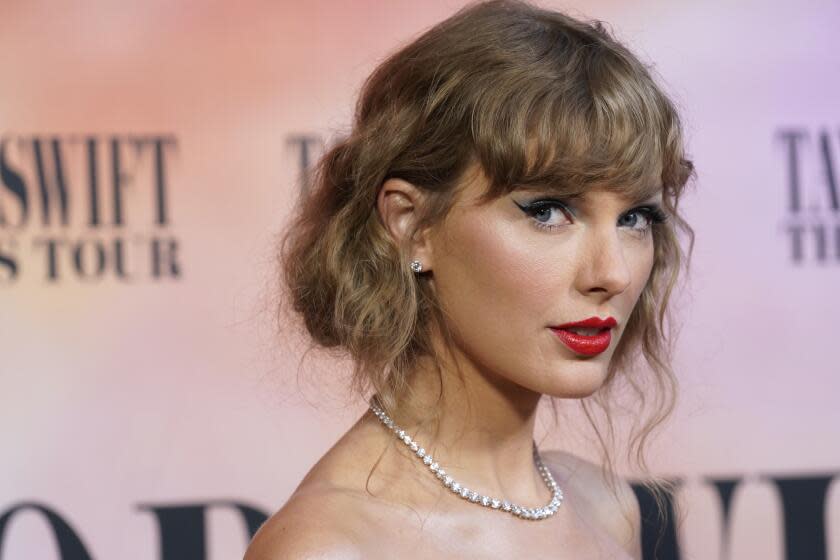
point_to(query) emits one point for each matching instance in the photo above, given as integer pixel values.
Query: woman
(499, 226)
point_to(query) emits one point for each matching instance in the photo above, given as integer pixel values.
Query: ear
(399, 203)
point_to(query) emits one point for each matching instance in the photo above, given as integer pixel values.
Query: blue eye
(651, 214)
(545, 211)
(541, 212)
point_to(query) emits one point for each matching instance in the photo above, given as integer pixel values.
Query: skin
(502, 281)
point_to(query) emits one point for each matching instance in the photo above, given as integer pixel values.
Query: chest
(488, 534)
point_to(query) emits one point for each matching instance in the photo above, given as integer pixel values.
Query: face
(507, 271)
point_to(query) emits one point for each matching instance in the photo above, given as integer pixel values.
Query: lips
(595, 322)
(583, 344)
(588, 337)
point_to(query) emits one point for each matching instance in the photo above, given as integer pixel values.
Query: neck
(477, 425)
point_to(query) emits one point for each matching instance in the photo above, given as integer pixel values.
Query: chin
(580, 393)
(576, 385)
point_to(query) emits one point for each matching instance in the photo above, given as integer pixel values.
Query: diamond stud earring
(416, 266)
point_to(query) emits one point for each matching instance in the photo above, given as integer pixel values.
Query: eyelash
(653, 214)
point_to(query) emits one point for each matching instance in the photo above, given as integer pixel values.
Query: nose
(604, 266)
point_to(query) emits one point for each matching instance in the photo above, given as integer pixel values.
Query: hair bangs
(599, 123)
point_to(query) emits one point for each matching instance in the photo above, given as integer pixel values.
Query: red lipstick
(586, 344)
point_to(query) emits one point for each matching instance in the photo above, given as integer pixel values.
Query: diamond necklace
(471, 495)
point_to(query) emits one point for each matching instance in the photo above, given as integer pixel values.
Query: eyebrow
(652, 198)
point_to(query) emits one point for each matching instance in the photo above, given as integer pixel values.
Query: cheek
(498, 289)
(501, 290)
(642, 260)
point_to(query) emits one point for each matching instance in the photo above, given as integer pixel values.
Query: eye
(545, 213)
(650, 215)
(552, 213)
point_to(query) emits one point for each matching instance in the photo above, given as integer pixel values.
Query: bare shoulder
(616, 511)
(310, 525)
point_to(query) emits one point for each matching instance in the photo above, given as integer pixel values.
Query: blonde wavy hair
(532, 96)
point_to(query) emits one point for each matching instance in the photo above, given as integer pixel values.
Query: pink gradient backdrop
(114, 395)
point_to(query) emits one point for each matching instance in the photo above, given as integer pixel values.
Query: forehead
(475, 189)
(652, 191)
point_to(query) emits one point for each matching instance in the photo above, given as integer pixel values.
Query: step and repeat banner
(149, 154)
